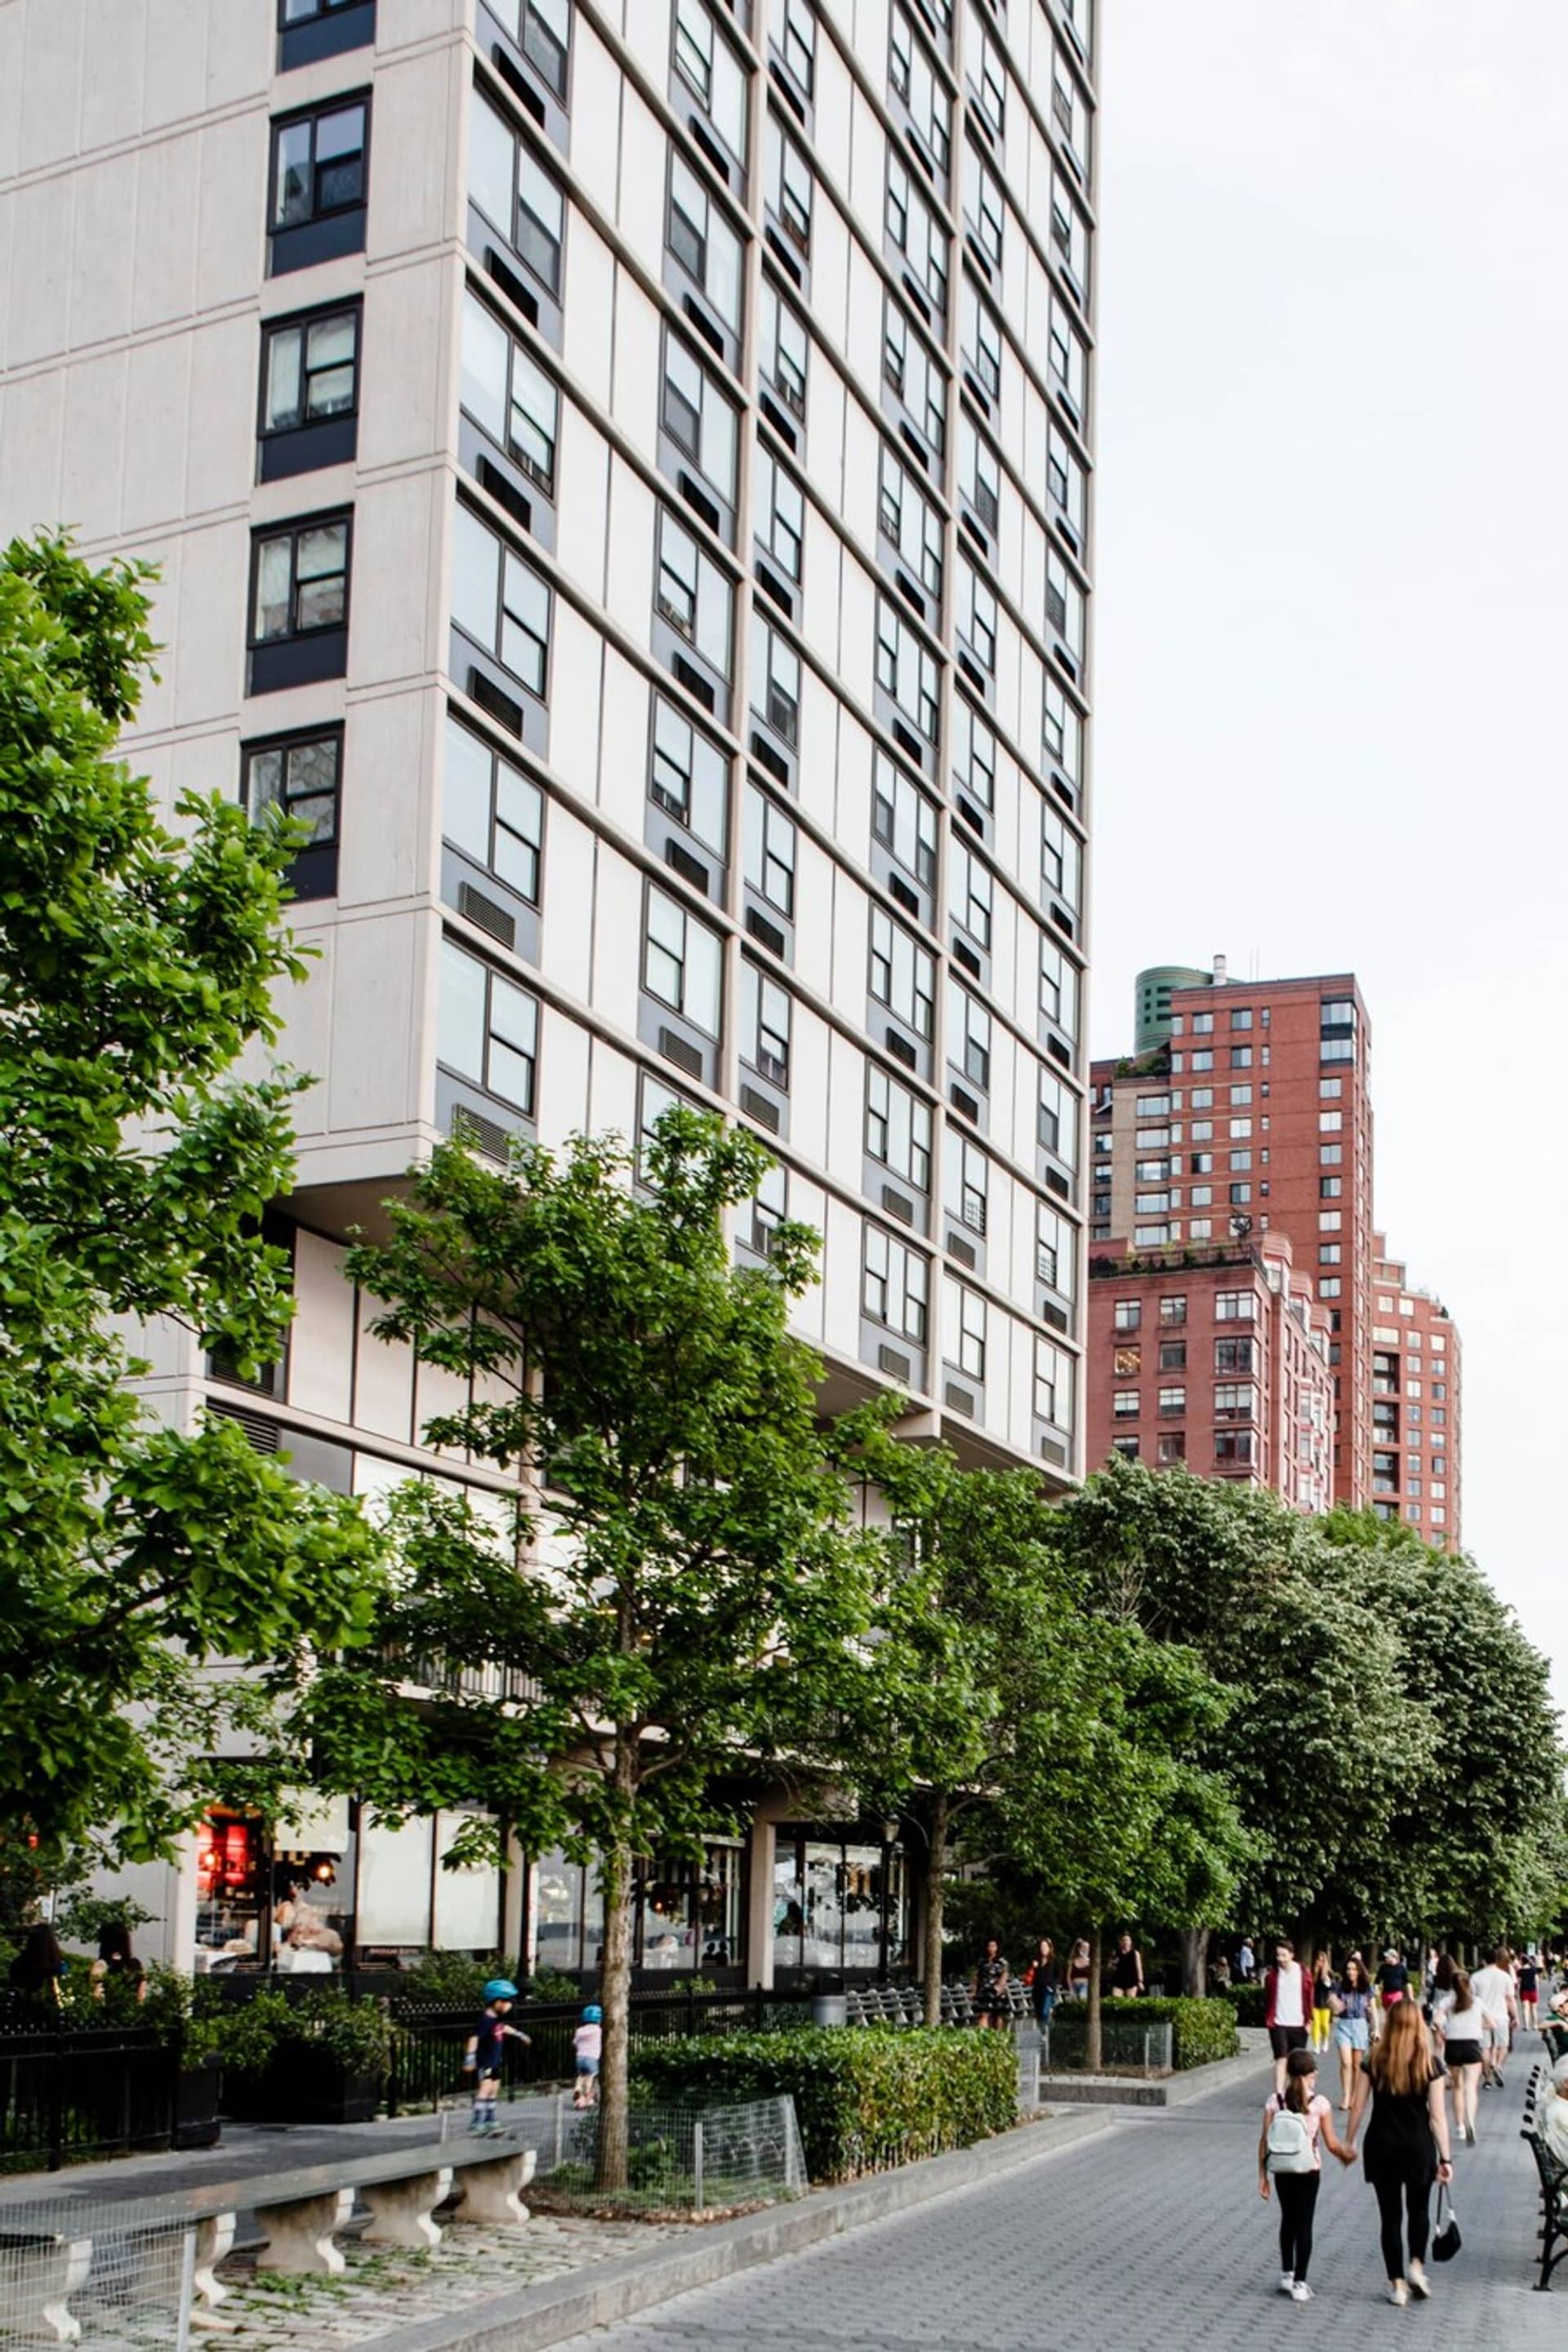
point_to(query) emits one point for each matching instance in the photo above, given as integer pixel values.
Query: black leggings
(1298, 2195)
(1417, 2193)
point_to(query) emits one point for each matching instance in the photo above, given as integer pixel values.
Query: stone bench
(300, 2213)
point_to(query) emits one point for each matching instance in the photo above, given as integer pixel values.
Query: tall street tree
(971, 1638)
(135, 969)
(678, 1595)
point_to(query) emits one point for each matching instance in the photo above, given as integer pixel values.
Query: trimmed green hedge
(1202, 2031)
(865, 2097)
(1248, 2001)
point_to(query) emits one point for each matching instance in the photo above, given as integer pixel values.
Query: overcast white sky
(1332, 615)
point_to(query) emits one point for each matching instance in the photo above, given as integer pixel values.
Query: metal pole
(560, 2128)
(188, 2290)
(697, 2199)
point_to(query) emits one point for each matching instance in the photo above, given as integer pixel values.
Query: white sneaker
(1287, 2282)
(1419, 2283)
(1398, 2291)
(1300, 2292)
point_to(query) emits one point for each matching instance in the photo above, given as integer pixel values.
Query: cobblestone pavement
(1149, 2238)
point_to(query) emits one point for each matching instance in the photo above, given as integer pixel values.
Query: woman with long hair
(1323, 2000)
(1462, 2037)
(1356, 2005)
(117, 1963)
(39, 1965)
(1407, 2146)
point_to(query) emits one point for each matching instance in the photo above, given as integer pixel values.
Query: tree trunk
(614, 1992)
(1093, 2040)
(1196, 1961)
(936, 1895)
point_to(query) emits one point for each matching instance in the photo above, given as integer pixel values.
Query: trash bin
(829, 2008)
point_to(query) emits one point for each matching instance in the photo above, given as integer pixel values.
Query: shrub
(456, 1980)
(865, 2097)
(1248, 2002)
(247, 2035)
(1201, 2031)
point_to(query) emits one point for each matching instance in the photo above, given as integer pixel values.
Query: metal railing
(68, 2094)
(1127, 2046)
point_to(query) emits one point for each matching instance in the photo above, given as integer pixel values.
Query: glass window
(318, 164)
(779, 519)
(971, 895)
(394, 1867)
(916, 233)
(910, 522)
(544, 36)
(499, 600)
(1064, 604)
(987, 73)
(1063, 734)
(506, 391)
(508, 182)
(903, 976)
(699, 236)
(794, 29)
(689, 778)
(1061, 858)
(894, 1285)
(1067, 359)
(984, 210)
(898, 1127)
(913, 77)
(694, 595)
(300, 580)
(299, 777)
(488, 1029)
(980, 339)
(970, 1353)
(309, 370)
(980, 473)
(789, 185)
(903, 820)
(974, 753)
(492, 811)
(1069, 111)
(712, 72)
(770, 850)
(698, 417)
(682, 962)
(968, 1181)
(909, 368)
(765, 1024)
(906, 669)
(1059, 1119)
(1069, 236)
(977, 616)
(969, 1035)
(775, 680)
(785, 346)
(1058, 988)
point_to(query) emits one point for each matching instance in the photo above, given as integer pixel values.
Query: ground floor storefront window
(686, 1915)
(840, 1901)
(328, 1887)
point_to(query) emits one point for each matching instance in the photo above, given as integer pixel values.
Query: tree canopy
(135, 968)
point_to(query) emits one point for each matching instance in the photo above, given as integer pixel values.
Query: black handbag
(1445, 2238)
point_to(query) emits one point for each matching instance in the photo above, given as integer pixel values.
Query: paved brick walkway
(1150, 2238)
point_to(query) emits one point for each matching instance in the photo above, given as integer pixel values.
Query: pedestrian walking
(1079, 1968)
(1245, 1963)
(1493, 1989)
(1042, 1981)
(1440, 1991)
(1323, 1991)
(1529, 1989)
(1462, 2030)
(1407, 2146)
(1287, 2003)
(1393, 1977)
(991, 1982)
(1298, 2124)
(588, 2048)
(1355, 2000)
(483, 2053)
(1126, 1969)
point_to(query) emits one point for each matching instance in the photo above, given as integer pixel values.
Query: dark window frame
(292, 530)
(337, 104)
(312, 871)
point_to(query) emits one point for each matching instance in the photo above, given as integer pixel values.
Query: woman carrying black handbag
(1407, 2146)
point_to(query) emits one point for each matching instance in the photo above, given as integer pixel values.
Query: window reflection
(839, 1902)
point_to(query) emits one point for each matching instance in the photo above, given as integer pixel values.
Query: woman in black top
(38, 1966)
(1043, 1985)
(1407, 2146)
(1127, 1969)
(991, 1985)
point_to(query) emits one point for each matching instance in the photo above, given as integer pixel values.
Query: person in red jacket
(1287, 2009)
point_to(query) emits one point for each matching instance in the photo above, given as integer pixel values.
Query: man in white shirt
(1286, 2009)
(1494, 1993)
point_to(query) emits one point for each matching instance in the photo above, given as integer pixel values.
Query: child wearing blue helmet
(589, 2041)
(482, 2054)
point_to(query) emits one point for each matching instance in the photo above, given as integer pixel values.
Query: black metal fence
(427, 2047)
(68, 2095)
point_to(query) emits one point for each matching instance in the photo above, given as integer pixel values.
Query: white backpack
(1290, 2142)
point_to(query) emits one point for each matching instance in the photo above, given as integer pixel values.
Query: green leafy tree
(693, 1589)
(135, 968)
(1103, 1799)
(1322, 1737)
(1481, 1825)
(970, 1631)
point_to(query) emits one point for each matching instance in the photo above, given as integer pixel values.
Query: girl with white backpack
(1297, 2125)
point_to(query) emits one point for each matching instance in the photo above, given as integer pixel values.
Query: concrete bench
(300, 2213)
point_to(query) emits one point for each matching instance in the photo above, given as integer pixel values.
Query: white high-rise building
(619, 468)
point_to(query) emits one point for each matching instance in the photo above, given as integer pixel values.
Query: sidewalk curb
(1171, 2091)
(562, 2308)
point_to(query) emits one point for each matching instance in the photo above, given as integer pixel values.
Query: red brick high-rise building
(1415, 1404)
